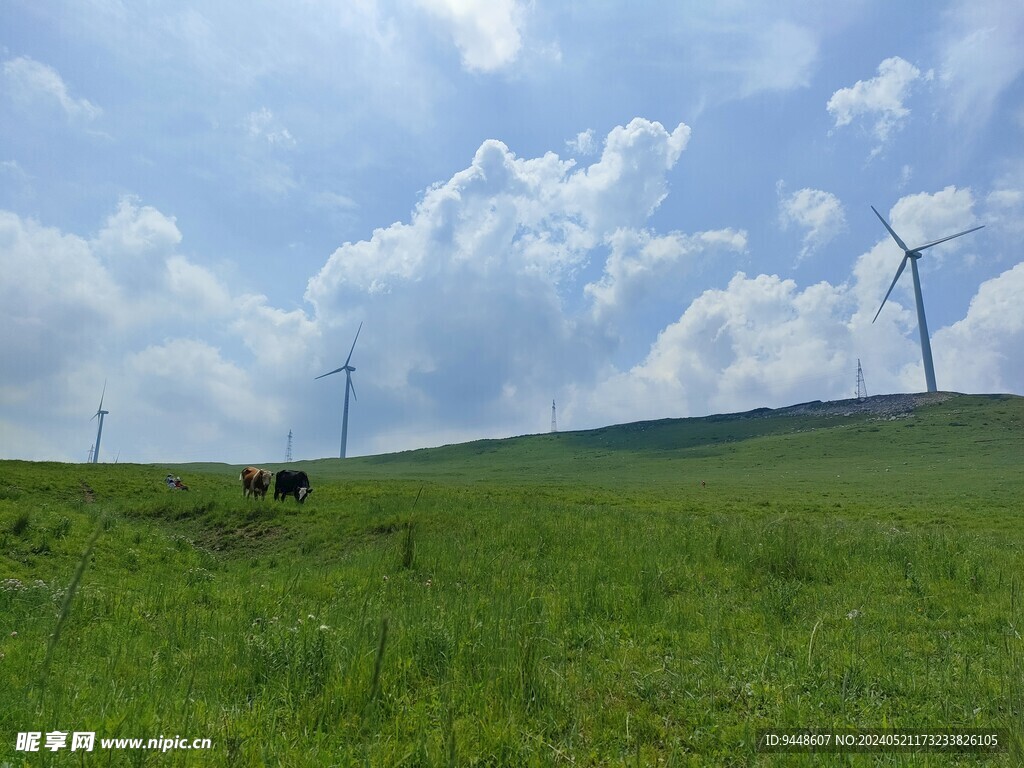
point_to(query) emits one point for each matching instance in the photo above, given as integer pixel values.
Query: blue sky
(638, 213)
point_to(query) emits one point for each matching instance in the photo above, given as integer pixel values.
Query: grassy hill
(651, 593)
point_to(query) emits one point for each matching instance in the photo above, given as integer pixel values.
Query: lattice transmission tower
(554, 425)
(862, 388)
(288, 450)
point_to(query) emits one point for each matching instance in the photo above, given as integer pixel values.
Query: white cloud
(488, 35)
(981, 56)
(981, 353)
(194, 289)
(537, 216)
(779, 56)
(760, 341)
(53, 292)
(765, 341)
(584, 143)
(263, 125)
(31, 80)
(78, 311)
(133, 230)
(917, 219)
(511, 283)
(643, 268)
(820, 214)
(493, 257)
(881, 98)
(924, 217)
(629, 181)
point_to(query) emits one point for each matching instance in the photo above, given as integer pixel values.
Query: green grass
(569, 599)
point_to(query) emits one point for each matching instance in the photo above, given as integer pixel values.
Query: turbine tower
(912, 255)
(348, 369)
(100, 413)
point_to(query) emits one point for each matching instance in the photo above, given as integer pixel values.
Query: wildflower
(14, 633)
(324, 628)
(854, 614)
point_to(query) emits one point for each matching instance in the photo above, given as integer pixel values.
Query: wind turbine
(912, 255)
(100, 413)
(348, 369)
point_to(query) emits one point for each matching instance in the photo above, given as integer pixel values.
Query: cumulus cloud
(31, 81)
(643, 267)
(488, 35)
(494, 256)
(760, 341)
(881, 98)
(78, 311)
(764, 340)
(512, 282)
(820, 214)
(53, 290)
(917, 219)
(583, 144)
(923, 217)
(981, 352)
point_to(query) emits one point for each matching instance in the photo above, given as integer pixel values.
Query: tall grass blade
(378, 661)
(65, 608)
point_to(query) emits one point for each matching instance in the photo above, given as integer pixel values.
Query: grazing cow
(291, 483)
(255, 482)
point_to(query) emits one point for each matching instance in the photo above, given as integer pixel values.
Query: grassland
(568, 599)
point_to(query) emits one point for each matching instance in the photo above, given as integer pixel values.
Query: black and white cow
(290, 483)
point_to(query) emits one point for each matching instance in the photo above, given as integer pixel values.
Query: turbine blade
(352, 387)
(895, 237)
(936, 242)
(336, 370)
(903, 265)
(102, 395)
(353, 345)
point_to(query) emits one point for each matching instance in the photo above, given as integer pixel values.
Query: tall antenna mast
(554, 426)
(288, 452)
(862, 388)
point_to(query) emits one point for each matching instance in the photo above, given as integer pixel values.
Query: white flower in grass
(854, 614)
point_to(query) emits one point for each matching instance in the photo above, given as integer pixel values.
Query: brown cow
(255, 482)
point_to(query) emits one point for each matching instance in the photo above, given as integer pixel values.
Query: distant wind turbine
(348, 369)
(912, 255)
(100, 413)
